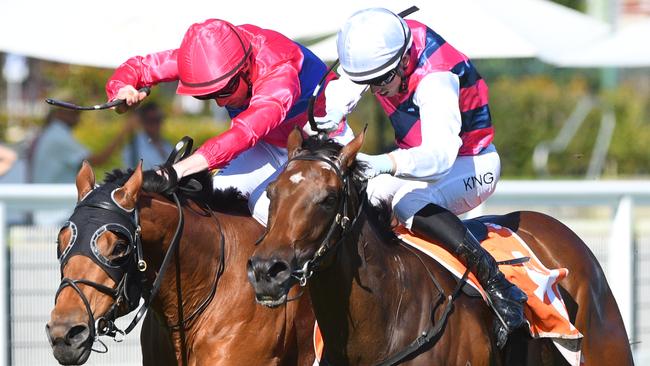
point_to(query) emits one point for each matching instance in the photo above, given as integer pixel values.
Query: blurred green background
(529, 100)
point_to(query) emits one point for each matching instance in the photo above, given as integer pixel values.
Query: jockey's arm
(273, 96)
(437, 97)
(342, 96)
(141, 71)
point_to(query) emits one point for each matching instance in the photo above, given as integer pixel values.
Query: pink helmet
(211, 53)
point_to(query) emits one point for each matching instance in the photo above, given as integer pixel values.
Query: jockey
(445, 163)
(262, 78)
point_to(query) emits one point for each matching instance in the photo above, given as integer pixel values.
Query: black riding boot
(441, 226)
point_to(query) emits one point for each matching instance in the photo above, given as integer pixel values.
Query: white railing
(621, 196)
(23, 197)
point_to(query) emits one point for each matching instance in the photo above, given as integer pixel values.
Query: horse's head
(100, 279)
(309, 213)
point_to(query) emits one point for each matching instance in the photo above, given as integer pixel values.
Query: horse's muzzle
(71, 344)
(271, 279)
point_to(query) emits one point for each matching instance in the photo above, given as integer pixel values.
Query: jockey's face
(390, 89)
(238, 96)
(391, 82)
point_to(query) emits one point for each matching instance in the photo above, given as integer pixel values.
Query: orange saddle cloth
(545, 310)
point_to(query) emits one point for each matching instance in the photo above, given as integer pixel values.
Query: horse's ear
(127, 195)
(294, 143)
(349, 152)
(85, 180)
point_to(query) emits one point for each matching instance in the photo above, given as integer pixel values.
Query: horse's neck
(200, 253)
(362, 281)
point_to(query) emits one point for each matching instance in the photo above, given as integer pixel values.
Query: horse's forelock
(330, 149)
(314, 146)
(118, 176)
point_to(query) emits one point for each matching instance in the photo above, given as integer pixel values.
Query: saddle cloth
(545, 310)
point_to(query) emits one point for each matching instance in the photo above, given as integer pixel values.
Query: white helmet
(372, 43)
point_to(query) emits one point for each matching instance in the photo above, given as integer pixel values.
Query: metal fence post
(620, 265)
(5, 289)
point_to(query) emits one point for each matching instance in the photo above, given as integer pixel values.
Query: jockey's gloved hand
(330, 122)
(163, 181)
(373, 165)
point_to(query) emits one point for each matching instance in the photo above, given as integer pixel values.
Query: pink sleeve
(140, 71)
(273, 97)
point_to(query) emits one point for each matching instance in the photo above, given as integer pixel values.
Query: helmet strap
(402, 75)
(246, 76)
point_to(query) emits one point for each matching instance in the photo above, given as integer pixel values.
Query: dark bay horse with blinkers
(218, 323)
(378, 302)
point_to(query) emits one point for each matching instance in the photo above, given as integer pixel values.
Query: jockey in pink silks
(262, 78)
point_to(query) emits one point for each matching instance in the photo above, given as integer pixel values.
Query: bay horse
(379, 302)
(104, 276)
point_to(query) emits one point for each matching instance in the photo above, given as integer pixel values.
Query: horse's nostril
(77, 334)
(277, 268)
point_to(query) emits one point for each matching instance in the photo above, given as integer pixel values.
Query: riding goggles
(224, 92)
(381, 80)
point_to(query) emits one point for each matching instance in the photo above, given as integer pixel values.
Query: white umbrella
(628, 47)
(499, 28)
(106, 33)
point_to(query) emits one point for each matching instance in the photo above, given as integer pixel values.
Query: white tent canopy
(92, 33)
(500, 28)
(105, 34)
(628, 47)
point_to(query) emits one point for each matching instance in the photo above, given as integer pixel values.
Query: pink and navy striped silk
(431, 53)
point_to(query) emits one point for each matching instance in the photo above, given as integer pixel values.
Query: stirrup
(501, 332)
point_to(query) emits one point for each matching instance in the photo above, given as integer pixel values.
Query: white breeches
(254, 169)
(471, 180)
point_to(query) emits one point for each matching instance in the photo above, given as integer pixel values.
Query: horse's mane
(380, 215)
(228, 200)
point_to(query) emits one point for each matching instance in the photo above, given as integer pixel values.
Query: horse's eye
(329, 202)
(120, 249)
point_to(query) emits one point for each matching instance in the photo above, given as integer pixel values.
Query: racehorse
(111, 252)
(379, 302)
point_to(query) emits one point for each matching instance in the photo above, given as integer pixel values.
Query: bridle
(102, 214)
(340, 224)
(127, 272)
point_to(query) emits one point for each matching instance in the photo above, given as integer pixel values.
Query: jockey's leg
(441, 226)
(430, 209)
(258, 202)
(250, 173)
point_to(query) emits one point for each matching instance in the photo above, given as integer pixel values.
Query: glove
(329, 122)
(373, 165)
(164, 182)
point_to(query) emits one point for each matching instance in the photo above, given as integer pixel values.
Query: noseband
(342, 220)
